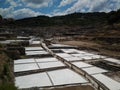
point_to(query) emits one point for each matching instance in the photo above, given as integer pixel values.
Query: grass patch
(7, 87)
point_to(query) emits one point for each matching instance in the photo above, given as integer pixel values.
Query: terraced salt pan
(64, 55)
(69, 50)
(78, 55)
(83, 56)
(33, 80)
(50, 65)
(77, 51)
(73, 59)
(87, 57)
(55, 49)
(80, 52)
(110, 83)
(36, 52)
(89, 54)
(10, 41)
(73, 51)
(112, 60)
(97, 56)
(32, 60)
(25, 67)
(33, 48)
(50, 59)
(35, 42)
(59, 45)
(81, 64)
(94, 70)
(65, 76)
(20, 61)
(5, 42)
(15, 40)
(22, 37)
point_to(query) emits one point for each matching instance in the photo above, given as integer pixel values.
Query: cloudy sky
(29, 8)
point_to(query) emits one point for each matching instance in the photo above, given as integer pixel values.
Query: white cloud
(77, 6)
(94, 6)
(5, 12)
(90, 6)
(37, 3)
(18, 14)
(25, 12)
(66, 2)
(57, 13)
(12, 3)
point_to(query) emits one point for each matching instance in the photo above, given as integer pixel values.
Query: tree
(113, 17)
(118, 15)
(1, 18)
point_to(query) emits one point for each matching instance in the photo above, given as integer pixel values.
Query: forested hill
(71, 19)
(81, 19)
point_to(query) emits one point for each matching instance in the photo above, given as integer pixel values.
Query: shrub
(7, 87)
